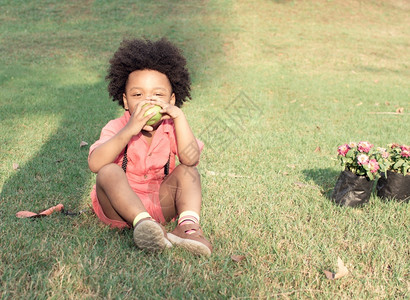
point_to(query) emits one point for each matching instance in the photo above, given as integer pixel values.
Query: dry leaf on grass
(317, 149)
(342, 271)
(400, 110)
(82, 144)
(237, 258)
(15, 166)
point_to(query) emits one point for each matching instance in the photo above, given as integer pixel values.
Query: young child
(137, 182)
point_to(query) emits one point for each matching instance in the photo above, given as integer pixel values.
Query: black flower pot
(352, 189)
(395, 186)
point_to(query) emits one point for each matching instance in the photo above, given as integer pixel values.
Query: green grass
(298, 75)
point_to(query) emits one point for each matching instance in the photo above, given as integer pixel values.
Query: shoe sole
(190, 245)
(149, 236)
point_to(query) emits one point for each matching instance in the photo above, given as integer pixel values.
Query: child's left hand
(168, 111)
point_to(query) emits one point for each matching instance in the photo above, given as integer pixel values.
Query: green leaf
(350, 154)
(398, 164)
(370, 175)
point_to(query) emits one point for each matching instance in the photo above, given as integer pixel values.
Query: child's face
(145, 85)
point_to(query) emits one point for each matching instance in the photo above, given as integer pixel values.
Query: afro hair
(143, 54)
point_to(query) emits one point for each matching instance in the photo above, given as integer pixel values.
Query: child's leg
(116, 197)
(180, 194)
(181, 191)
(119, 202)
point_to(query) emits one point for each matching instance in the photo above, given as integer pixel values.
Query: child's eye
(137, 95)
(159, 95)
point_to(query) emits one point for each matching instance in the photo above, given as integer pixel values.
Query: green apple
(155, 119)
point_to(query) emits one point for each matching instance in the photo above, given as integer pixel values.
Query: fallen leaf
(400, 110)
(25, 214)
(237, 258)
(285, 173)
(317, 149)
(15, 166)
(342, 271)
(211, 173)
(376, 80)
(329, 275)
(360, 103)
(82, 144)
(291, 166)
(387, 103)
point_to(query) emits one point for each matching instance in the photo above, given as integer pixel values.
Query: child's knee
(109, 171)
(186, 171)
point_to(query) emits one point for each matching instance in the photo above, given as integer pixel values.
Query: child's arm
(107, 152)
(188, 149)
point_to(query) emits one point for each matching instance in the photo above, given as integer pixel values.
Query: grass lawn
(272, 82)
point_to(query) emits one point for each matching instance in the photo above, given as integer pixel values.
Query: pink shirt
(145, 168)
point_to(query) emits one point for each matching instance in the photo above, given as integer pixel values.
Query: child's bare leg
(116, 197)
(119, 202)
(181, 191)
(180, 194)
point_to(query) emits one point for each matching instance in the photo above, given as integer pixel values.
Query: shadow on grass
(325, 178)
(58, 173)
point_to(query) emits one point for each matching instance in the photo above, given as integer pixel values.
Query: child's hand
(138, 121)
(168, 111)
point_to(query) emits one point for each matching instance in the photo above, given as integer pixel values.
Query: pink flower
(342, 150)
(405, 152)
(383, 152)
(352, 145)
(362, 159)
(374, 166)
(364, 147)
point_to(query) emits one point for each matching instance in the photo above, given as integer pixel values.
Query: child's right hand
(137, 121)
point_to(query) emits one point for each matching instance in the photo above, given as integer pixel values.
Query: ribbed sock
(188, 217)
(139, 217)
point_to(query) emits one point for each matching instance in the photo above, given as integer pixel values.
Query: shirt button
(145, 176)
(149, 154)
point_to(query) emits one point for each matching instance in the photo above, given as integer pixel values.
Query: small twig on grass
(387, 113)
(296, 292)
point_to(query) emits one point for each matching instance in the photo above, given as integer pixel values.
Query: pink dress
(145, 168)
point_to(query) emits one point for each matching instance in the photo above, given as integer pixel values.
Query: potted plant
(362, 164)
(395, 183)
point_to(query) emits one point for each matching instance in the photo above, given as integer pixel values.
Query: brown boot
(193, 242)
